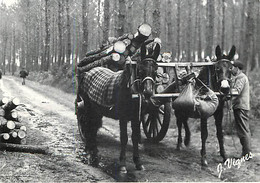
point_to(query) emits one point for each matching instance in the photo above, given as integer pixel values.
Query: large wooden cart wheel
(156, 121)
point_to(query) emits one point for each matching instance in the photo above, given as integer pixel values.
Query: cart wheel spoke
(159, 120)
(161, 111)
(147, 122)
(156, 122)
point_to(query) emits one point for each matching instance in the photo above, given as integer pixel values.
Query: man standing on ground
(23, 74)
(241, 106)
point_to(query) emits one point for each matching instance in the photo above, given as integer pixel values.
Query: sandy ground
(49, 116)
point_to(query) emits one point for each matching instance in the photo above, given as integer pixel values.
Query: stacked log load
(116, 50)
(11, 129)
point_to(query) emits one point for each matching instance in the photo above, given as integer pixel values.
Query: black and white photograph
(129, 91)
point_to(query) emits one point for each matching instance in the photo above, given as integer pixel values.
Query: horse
(218, 78)
(123, 106)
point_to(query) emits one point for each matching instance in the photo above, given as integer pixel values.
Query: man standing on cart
(241, 106)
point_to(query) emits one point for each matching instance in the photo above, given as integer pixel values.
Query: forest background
(49, 37)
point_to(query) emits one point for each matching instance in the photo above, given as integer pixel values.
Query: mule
(123, 106)
(218, 78)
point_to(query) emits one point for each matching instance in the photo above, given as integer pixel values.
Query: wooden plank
(175, 95)
(179, 64)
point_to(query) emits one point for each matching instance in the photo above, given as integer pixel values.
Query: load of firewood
(116, 50)
(11, 129)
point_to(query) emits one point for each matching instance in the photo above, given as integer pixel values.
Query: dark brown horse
(217, 77)
(123, 106)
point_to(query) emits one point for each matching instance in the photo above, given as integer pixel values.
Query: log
(3, 121)
(21, 134)
(3, 101)
(11, 104)
(23, 128)
(5, 136)
(13, 134)
(11, 115)
(20, 126)
(132, 41)
(10, 125)
(90, 59)
(24, 148)
(101, 62)
(2, 112)
(101, 49)
(22, 141)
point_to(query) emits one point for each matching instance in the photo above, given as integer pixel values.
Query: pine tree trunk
(130, 16)
(242, 28)
(169, 40)
(68, 55)
(121, 18)
(46, 58)
(156, 31)
(14, 47)
(145, 11)
(210, 27)
(178, 43)
(199, 34)
(5, 39)
(189, 33)
(248, 49)
(84, 27)
(223, 25)
(106, 21)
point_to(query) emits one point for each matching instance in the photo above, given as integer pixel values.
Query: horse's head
(223, 69)
(147, 68)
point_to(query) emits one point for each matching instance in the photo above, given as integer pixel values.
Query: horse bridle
(147, 77)
(215, 70)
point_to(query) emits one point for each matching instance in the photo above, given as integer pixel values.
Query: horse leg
(179, 125)
(135, 125)
(187, 132)
(123, 141)
(204, 136)
(218, 122)
(94, 122)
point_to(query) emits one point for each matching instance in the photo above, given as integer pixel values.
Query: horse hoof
(139, 167)
(178, 147)
(123, 170)
(204, 162)
(187, 142)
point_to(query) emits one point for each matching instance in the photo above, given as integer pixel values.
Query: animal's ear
(232, 53)
(143, 51)
(218, 52)
(156, 51)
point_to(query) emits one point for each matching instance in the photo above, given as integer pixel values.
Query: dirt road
(49, 115)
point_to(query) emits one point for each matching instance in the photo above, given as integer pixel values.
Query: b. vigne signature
(232, 162)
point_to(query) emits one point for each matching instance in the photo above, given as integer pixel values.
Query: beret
(238, 64)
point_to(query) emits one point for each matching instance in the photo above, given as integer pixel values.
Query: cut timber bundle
(101, 62)
(125, 45)
(105, 47)
(11, 129)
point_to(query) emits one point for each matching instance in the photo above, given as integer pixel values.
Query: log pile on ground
(13, 132)
(11, 129)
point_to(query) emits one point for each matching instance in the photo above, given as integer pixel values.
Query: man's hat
(238, 64)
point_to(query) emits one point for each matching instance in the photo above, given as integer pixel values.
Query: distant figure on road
(0, 74)
(23, 74)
